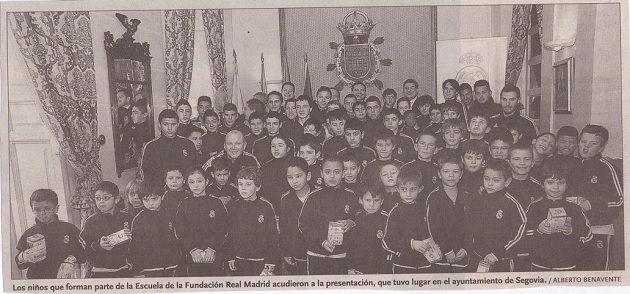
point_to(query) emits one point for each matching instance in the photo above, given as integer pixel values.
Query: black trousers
(326, 266)
(596, 253)
(205, 269)
(124, 273)
(248, 267)
(397, 269)
(299, 268)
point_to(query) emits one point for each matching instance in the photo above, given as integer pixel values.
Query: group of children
(349, 196)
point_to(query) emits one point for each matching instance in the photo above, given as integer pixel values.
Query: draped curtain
(518, 42)
(57, 50)
(179, 35)
(213, 27)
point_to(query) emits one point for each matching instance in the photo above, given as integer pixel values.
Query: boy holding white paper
(50, 248)
(407, 236)
(495, 223)
(556, 228)
(106, 234)
(446, 207)
(324, 220)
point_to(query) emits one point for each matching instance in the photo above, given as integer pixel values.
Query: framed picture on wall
(562, 85)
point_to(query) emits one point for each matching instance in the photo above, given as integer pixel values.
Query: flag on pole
(308, 91)
(237, 96)
(263, 78)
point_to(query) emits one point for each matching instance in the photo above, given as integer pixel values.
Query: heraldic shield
(357, 61)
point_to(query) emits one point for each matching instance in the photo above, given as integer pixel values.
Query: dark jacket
(163, 153)
(104, 224)
(406, 222)
(365, 250)
(153, 245)
(600, 183)
(292, 242)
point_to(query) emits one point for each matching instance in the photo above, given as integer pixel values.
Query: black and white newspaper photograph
(186, 146)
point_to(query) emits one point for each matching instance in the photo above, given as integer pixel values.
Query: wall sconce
(564, 27)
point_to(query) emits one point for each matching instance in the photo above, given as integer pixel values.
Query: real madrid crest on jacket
(253, 235)
(163, 152)
(154, 246)
(62, 240)
(365, 250)
(323, 206)
(103, 224)
(201, 223)
(429, 171)
(495, 224)
(599, 182)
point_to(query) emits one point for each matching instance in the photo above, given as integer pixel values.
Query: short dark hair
(310, 141)
(285, 84)
(332, 158)
(511, 88)
(141, 105)
(42, 195)
(521, 146)
(277, 94)
(208, 113)
(187, 132)
(482, 83)
(390, 91)
(323, 89)
(250, 173)
(337, 114)
(221, 163)
(445, 158)
(304, 98)
(403, 99)
(373, 99)
(350, 96)
(554, 168)
(464, 86)
(478, 113)
(394, 111)
(256, 115)
(230, 107)
(351, 157)
(183, 102)
(384, 134)
(167, 113)
(125, 91)
(475, 147)
(500, 134)
(357, 104)
(256, 105)
(412, 81)
(410, 176)
(298, 162)
(454, 123)
(435, 107)
(452, 106)
(499, 165)
(358, 83)
(596, 130)
(425, 99)
(150, 187)
(275, 115)
(204, 99)
(353, 124)
(568, 131)
(290, 100)
(452, 82)
(107, 186)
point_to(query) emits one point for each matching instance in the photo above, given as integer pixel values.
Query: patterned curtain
(179, 33)
(57, 50)
(213, 26)
(518, 42)
(539, 11)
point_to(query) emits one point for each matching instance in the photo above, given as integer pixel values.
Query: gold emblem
(261, 218)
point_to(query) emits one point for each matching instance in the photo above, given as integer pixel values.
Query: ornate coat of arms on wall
(358, 58)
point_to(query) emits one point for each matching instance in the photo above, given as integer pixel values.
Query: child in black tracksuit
(496, 222)
(201, 225)
(108, 257)
(310, 150)
(273, 182)
(475, 152)
(62, 246)
(154, 249)
(406, 231)
(221, 186)
(175, 193)
(555, 249)
(292, 242)
(332, 205)
(365, 252)
(252, 241)
(446, 207)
